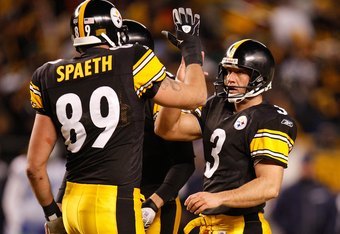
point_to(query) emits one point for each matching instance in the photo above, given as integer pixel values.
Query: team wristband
(52, 211)
(149, 203)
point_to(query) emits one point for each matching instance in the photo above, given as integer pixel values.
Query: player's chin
(234, 92)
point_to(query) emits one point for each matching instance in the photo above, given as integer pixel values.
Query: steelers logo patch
(116, 17)
(241, 122)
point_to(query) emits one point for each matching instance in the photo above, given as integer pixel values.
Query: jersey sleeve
(155, 109)
(148, 72)
(36, 96)
(201, 112)
(274, 140)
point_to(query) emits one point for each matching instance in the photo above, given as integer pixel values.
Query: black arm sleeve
(176, 177)
(181, 155)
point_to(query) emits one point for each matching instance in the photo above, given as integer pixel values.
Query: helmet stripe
(81, 19)
(233, 48)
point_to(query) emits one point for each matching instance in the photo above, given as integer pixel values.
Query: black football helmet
(138, 33)
(254, 58)
(97, 22)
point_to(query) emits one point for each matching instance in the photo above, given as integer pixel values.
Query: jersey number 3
(71, 125)
(220, 135)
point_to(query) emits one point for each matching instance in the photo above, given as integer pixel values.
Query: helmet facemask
(252, 58)
(256, 85)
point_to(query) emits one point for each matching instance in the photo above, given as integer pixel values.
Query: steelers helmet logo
(241, 122)
(116, 17)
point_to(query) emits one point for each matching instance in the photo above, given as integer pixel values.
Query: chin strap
(252, 93)
(112, 44)
(108, 39)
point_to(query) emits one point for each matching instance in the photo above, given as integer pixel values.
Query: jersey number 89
(71, 124)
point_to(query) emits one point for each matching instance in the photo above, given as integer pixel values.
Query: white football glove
(148, 216)
(55, 226)
(149, 210)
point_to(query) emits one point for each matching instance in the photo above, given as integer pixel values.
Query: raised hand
(187, 35)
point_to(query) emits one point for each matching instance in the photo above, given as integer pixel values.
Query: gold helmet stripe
(81, 18)
(233, 48)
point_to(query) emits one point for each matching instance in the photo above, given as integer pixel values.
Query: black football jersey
(233, 142)
(160, 155)
(96, 102)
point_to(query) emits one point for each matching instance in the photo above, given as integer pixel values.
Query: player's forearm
(194, 78)
(250, 194)
(167, 121)
(41, 144)
(40, 185)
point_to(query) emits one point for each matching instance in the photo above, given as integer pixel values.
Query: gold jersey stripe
(141, 60)
(272, 154)
(276, 134)
(146, 71)
(33, 86)
(273, 144)
(156, 109)
(158, 77)
(36, 100)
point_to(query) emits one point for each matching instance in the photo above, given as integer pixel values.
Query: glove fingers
(183, 16)
(197, 19)
(197, 24)
(176, 18)
(187, 35)
(190, 19)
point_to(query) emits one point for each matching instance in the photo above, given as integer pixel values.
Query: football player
(246, 143)
(167, 165)
(96, 103)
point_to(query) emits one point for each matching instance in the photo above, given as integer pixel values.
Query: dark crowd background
(304, 38)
